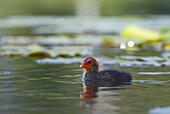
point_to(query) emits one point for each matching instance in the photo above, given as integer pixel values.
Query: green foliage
(37, 7)
(139, 7)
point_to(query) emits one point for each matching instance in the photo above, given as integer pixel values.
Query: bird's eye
(89, 62)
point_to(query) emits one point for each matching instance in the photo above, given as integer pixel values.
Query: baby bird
(92, 77)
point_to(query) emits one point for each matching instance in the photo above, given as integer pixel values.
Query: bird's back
(113, 77)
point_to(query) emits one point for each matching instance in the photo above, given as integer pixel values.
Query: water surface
(27, 87)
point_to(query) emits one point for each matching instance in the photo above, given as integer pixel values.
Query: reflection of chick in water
(88, 94)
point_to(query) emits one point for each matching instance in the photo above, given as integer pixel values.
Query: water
(55, 89)
(32, 88)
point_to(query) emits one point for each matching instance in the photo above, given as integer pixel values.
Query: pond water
(27, 87)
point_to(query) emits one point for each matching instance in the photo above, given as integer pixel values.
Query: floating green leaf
(39, 55)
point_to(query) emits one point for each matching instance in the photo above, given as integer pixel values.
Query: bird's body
(105, 78)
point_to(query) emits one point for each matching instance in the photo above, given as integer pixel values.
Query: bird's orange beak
(84, 65)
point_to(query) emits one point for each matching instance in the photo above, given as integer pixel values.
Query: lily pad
(60, 61)
(133, 31)
(39, 55)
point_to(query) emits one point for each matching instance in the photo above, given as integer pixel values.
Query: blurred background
(74, 7)
(124, 24)
(87, 8)
(26, 15)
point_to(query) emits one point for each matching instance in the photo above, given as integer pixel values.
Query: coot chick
(92, 77)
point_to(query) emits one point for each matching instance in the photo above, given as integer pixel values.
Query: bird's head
(90, 64)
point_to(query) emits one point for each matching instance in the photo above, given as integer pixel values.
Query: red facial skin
(88, 63)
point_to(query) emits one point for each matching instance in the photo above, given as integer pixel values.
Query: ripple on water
(3, 77)
(154, 82)
(153, 73)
